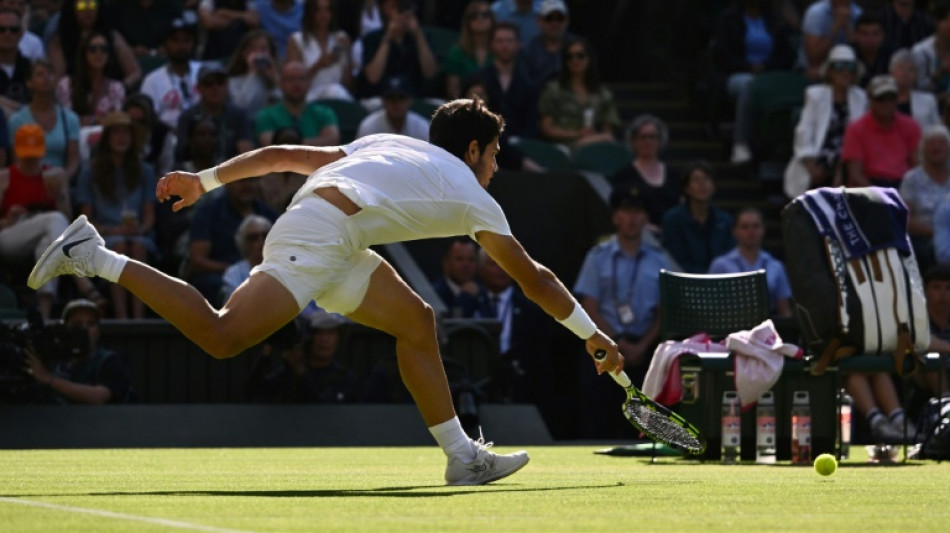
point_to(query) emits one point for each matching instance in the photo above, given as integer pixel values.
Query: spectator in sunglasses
(829, 108)
(16, 67)
(543, 52)
(472, 51)
(90, 93)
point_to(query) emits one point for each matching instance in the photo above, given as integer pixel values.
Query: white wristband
(209, 178)
(580, 323)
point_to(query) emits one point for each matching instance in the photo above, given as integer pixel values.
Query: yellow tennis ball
(825, 464)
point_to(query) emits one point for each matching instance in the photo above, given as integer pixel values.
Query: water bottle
(801, 428)
(731, 427)
(765, 429)
(844, 423)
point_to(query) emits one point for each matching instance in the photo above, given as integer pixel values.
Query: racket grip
(621, 377)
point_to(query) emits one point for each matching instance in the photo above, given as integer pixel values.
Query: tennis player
(379, 189)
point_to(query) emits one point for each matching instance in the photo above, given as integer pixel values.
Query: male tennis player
(376, 190)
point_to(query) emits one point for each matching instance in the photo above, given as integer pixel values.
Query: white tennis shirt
(407, 189)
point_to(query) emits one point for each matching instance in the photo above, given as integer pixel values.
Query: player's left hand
(185, 185)
(613, 362)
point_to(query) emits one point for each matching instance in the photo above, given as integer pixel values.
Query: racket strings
(660, 427)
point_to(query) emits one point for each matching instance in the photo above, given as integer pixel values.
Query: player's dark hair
(457, 123)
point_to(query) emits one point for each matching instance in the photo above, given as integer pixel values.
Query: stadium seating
(349, 114)
(603, 157)
(544, 153)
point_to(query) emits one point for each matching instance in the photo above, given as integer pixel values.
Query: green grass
(399, 489)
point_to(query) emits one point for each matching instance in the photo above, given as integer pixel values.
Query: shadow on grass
(425, 491)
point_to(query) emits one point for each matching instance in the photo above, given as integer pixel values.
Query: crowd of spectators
(102, 97)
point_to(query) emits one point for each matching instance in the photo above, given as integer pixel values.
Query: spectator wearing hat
(395, 116)
(829, 108)
(749, 256)
(34, 206)
(60, 126)
(15, 66)
(696, 231)
(234, 127)
(31, 46)
(826, 23)
(143, 23)
(399, 47)
(249, 239)
(78, 19)
(172, 87)
(95, 376)
(306, 369)
(543, 53)
(619, 287)
(89, 92)
(116, 192)
(317, 123)
(881, 146)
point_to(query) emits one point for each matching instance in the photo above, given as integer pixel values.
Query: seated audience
(471, 53)
(395, 116)
(509, 90)
(819, 135)
(325, 50)
(826, 23)
(224, 22)
(543, 53)
(920, 105)
(234, 127)
(923, 188)
(749, 39)
(15, 65)
(658, 184)
(399, 47)
(172, 86)
(868, 44)
(696, 231)
(157, 141)
(520, 13)
(116, 191)
(252, 73)
(458, 286)
(250, 241)
(317, 123)
(89, 92)
(880, 147)
(577, 108)
(933, 68)
(749, 256)
(905, 24)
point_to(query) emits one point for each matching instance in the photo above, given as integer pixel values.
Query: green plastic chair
(349, 114)
(441, 40)
(9, 308)
(717, 304)
(546, 154)
(604, 157)
(773, 97)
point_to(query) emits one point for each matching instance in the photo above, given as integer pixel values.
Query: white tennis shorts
(308, 253)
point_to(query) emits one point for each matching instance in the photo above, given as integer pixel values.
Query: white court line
(120, 516)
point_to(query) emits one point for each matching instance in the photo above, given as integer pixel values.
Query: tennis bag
(854, 278)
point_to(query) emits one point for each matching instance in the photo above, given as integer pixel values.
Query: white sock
(453, 440)
(108, 264)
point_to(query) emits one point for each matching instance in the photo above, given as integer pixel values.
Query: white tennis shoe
(486, 467)
(70, 254)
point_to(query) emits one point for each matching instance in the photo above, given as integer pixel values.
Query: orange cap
(29, 141)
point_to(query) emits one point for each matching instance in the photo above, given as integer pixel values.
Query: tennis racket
(654, 420)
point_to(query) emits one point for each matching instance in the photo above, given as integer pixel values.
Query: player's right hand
(613, 362)
(184, 185)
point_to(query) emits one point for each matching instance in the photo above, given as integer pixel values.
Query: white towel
(759, 357)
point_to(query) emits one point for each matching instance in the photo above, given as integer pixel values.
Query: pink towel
(758, 355)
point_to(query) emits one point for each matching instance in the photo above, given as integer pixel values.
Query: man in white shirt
(379, 189)
(174, 87)
(395, 116)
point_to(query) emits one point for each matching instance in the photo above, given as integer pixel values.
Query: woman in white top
(324, 50)
(921, 105)
(253, 73)
(819, 136)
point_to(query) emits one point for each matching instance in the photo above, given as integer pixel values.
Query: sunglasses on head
(555, 17)
(9, 29)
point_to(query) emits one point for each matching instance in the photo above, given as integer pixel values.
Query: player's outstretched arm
(542, 287)
(290, 158)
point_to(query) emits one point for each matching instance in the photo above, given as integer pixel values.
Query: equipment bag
(855, 282)
(933, 431)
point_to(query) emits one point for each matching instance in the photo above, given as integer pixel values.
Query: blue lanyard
(633, 278)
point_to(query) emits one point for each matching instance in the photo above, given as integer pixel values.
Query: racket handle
(621, 377)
